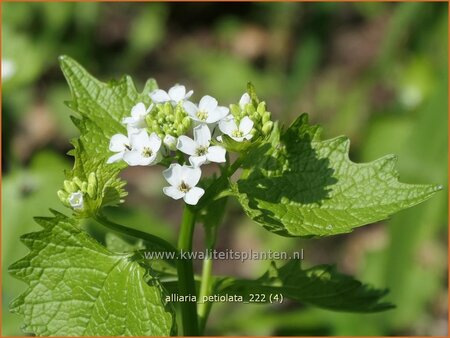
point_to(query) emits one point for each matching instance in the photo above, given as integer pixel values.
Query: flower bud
(261, 108)
(84, 186)
(63, 197)
(267, 127)
(170, 142)
(92, 185)
(265, 117)
(70, 186)
(77, 181)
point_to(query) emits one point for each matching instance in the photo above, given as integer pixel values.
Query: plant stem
(207, 282)
(135, 233)
(205, 291)
(186, 282)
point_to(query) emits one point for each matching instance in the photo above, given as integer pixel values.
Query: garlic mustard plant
(286, 179)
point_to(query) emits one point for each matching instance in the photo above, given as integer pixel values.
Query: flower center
(184, 187)
(200, 151)
(147, 152)
(237, 133)
(202, 115)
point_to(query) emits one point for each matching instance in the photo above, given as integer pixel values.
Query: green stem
(186, 282)
(205, 291)
(134, 233)
(207, 281)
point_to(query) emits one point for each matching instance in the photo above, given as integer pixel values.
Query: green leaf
(101, 107)
(78, 287)
(320, 286)
(299, 185)
(115, 243)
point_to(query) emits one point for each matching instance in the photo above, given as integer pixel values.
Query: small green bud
(167, 109)
(267, 127)
(63, 197)
(179, 114)
(92, 185)
(250, 109)
(83, 187)
(180, 130)
(78, 182)
(261, 108)
(265, 117)
(69, 186)
(256, 118)
(186, 122)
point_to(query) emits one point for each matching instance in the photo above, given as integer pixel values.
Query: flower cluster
(74, 190)
(174, 129)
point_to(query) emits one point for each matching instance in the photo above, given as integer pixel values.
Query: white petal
(187, 145)
(202, 135)
(173, 174)
(193, 195)
(217, 114)
(173, 192)
(154, 142)
(118, 142)
(216, 154)
(246, 125)
(134, 158)
(248, 136)
(115, 158)
(138, 111)
(227, 126)
(191, 109)
(132, 130)
(197, 161)
(128, 120)
(191, 175)
(177, 93)
(140, 140)
(159, 96)
(245, 99)
(188, 94)
(207, 104)
(76, 200)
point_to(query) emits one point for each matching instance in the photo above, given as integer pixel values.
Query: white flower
(245, 100)
(175, 95)
(144, 149)
(183, 181)
(138, 114)
(230, 128)
(170, 142)
(207, 111)
(76, 200)
(198, 148)
(120, 144)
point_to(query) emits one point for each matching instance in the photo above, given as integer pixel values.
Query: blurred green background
(376, 72)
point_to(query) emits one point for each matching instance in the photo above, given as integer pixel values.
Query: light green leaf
(101, 106)
(320, 286)
(300, 185)
(78, 287)
(115, 243)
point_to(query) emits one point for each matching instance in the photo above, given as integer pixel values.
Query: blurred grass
(376, 72)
